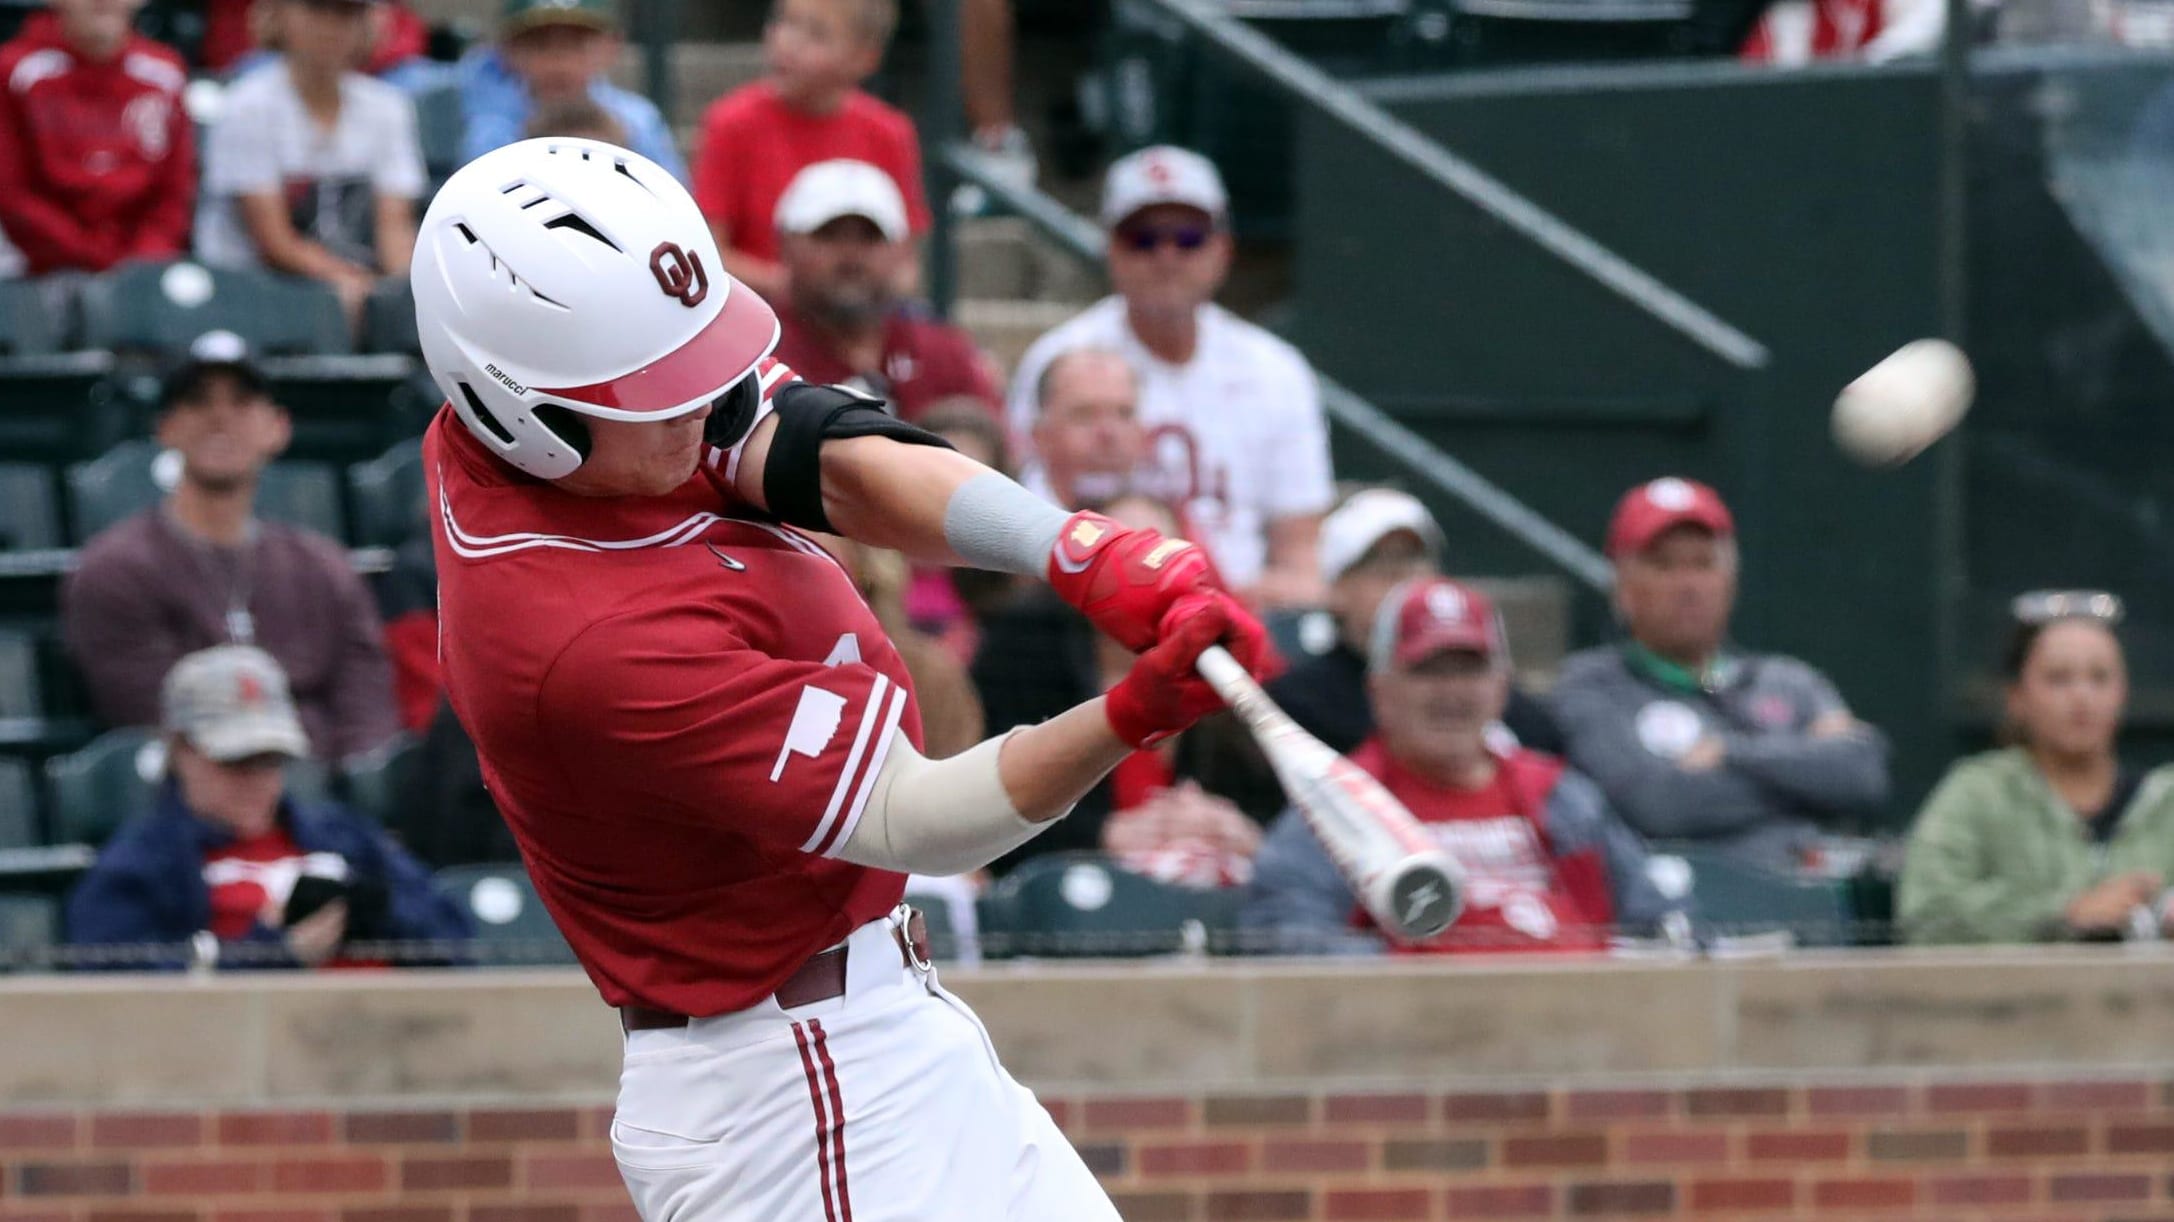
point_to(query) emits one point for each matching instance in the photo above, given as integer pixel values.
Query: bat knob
(1426, 896)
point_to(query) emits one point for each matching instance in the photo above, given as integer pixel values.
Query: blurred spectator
(951, 716)
(809, 108)
(407, 603)
(1692, 738)
(1039, 657)
(445, 813)
(1793, 33)
(313, 168)
(199, 569)
(241, 36)
(1376, 540)
(846, 246)
(972, 429)
(985, 78)
(1088, 442)
(97, 156)
(1236, 438)
(580, 118)
(226, 860)
(2051, 837)
(1548, 865)
(550, 53)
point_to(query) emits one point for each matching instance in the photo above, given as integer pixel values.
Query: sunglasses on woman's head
(2045, 606)
(1144, 239)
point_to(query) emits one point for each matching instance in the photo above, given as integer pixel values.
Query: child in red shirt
(97, 156)
(809, 108)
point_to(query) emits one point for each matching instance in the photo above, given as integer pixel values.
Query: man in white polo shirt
(1236, 439)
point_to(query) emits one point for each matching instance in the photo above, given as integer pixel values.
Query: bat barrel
(1418, 897)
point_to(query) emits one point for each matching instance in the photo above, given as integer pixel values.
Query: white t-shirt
(265, 141)
(1236, 436)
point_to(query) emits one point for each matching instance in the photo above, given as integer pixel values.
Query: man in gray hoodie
(1692, 739)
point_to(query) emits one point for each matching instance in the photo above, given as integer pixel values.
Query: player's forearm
(937, 506)
(952, 815)
(1047, 768)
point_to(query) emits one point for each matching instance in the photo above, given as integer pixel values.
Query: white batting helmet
(560, 278)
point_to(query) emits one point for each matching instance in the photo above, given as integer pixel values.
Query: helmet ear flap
(565, 425)
(732, 413)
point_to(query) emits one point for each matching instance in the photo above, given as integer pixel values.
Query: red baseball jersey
(681, 714)
(1521, 895)
(754, 142)
(97, 160)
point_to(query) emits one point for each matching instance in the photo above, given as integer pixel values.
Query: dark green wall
(1799, 207)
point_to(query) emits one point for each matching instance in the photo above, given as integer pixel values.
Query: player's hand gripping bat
(1412, 888)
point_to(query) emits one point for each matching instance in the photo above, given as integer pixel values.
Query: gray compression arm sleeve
(945, 816)
(994, 524)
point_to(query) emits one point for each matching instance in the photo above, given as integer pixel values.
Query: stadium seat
(29, 929)
(440, 128)
(62, 406)
(19, 687)
(510, 922)
(346, 408)
(119, 483)
(305, 494)
(372, 782)
(35, 316)
(387, 495)
(1080, 904)
(18, 805)
(163, 307)
(29, 507)
(99, 787)
(1735, 899)
(388, 320)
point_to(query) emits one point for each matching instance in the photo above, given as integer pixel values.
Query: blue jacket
(147, 886)
(496, 106)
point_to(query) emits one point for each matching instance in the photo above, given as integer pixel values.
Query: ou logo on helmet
(679, 273)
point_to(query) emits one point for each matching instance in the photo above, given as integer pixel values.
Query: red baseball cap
(1435, 615)
(1651, 508)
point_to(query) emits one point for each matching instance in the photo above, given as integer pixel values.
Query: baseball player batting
(706, 748)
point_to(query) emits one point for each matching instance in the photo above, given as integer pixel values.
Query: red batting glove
(1162, 693)
(1125, 581)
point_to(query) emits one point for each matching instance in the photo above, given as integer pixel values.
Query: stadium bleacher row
(80, 365)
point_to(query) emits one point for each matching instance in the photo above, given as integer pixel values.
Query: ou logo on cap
(1445, 603)
(1670, 493)
(679, 273)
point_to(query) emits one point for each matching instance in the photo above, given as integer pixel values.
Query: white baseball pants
(884, 1105)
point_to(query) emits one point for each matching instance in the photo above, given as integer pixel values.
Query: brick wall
(2070, 1150)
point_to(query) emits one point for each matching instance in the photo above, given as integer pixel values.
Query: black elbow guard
(808, 416)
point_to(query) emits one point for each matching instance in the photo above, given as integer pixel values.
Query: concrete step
(1005, 328)
(702, 72)
(1536, 617)
(1002, 258)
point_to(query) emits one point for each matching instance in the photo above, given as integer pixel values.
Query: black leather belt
(821, 978)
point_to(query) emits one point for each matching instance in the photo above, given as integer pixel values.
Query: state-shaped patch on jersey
(695, 727)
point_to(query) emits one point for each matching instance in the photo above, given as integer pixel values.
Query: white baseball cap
(828, 190)
(1368, 517)
(231, 702)
(1163, 174)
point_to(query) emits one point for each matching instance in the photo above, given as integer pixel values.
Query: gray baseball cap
(231, 702)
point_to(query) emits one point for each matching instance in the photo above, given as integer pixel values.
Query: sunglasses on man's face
(1146, 239)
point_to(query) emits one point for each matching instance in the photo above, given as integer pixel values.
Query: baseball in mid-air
(1905, 403)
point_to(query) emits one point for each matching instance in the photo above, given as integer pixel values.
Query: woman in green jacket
(2052, 838)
